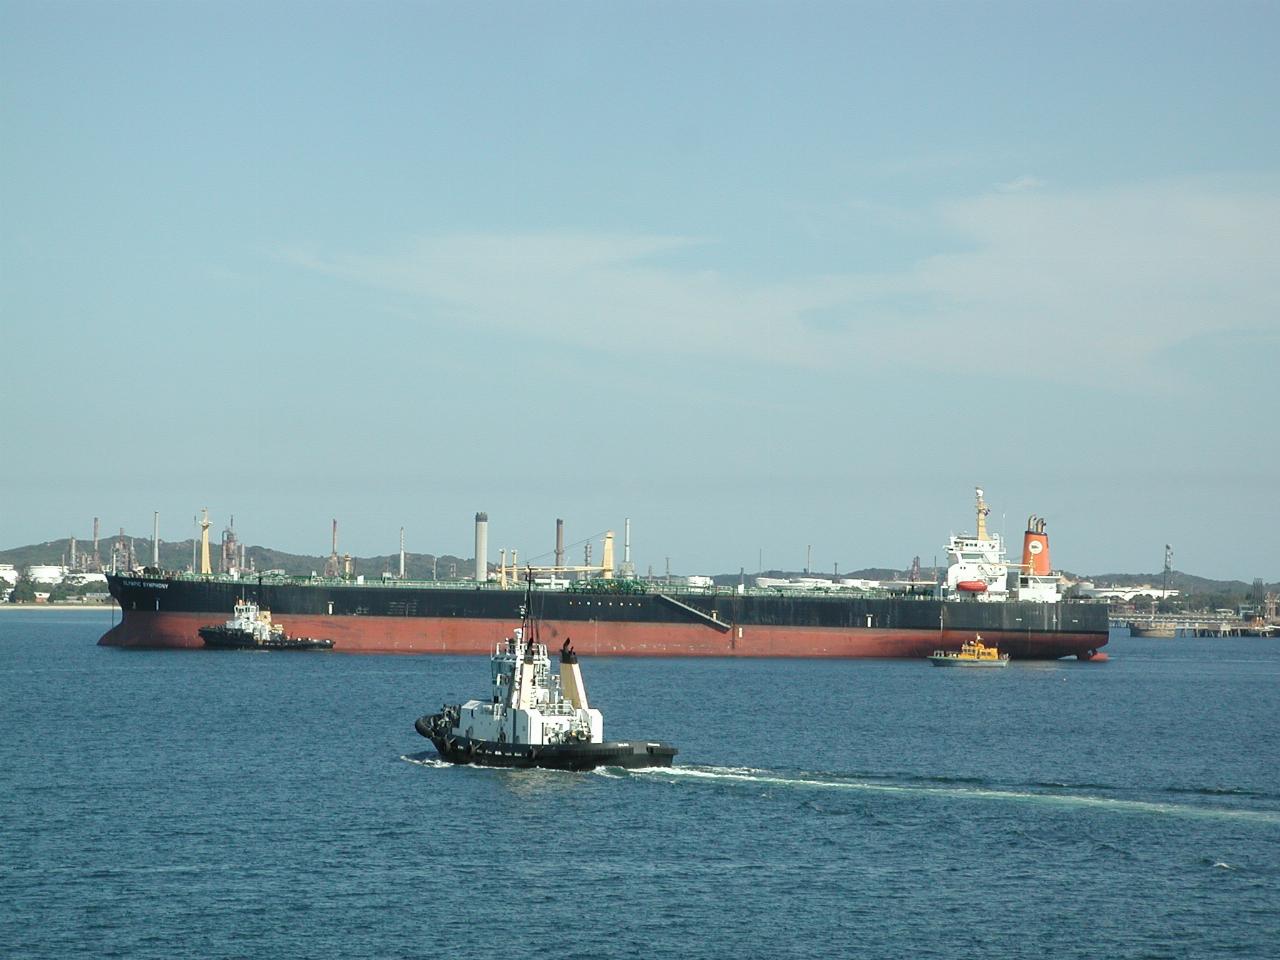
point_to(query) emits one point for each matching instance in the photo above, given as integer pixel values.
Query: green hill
(177, 556)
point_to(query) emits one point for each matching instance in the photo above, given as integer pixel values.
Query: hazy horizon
(758, 276)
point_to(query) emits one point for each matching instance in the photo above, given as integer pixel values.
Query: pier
(1194, 625)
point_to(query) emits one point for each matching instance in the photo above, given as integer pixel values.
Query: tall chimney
(559, 543)
(155, 539)
(402, 553)
(73, 553)
(482, 547)
(205, 568)
(606, 561)
(97, 557)
(627, 569)
(333, 566)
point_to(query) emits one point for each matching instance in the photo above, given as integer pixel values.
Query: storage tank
(46, 573)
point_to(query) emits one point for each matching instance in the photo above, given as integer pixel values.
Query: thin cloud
(608, 292)
(1075, 286)
(1021, 185)
(1108, 279)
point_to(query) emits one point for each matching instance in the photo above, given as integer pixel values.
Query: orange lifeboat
(972, 586)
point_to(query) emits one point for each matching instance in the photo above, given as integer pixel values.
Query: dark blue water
(160, 804)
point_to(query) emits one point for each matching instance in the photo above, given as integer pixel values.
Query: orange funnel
(1035, 549)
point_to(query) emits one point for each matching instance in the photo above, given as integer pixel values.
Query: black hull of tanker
(167, 611)
(551, 756)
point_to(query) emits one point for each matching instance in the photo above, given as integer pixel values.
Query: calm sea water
(160, 804)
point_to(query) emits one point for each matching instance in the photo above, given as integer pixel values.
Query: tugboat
(973, 653)
(252, 629)
(535, 718)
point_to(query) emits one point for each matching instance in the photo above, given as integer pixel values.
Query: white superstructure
(247, 618)
(979, 569)
(977, 564)
(530, 704)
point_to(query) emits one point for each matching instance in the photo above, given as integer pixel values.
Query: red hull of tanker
(169, 630)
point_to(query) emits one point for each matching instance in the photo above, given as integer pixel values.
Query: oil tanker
(1016, 607)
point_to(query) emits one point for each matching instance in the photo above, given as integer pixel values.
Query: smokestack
(333, 566)
(402, 553)
(205, 567)
(628, 569)
(559, 543)
(73, 553)
(97, 557)
(155, 539)
(606, 561)
(1035, 549)
(482, 547)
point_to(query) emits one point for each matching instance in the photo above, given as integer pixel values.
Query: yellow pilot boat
(973, 653)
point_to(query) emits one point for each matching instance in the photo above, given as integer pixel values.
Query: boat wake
(953, 788)
(1084, 796)
(427, 759)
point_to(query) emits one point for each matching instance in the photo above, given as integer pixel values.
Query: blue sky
(759, 276)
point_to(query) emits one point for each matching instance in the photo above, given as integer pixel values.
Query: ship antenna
(983, 510)
(531, 619)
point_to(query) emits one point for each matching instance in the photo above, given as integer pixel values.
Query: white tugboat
(251, 629)
(534, 718)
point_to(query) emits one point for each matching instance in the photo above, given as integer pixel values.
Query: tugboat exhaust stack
(575, 691)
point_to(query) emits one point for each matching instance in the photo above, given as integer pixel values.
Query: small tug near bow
(535, 718)
(252, 629)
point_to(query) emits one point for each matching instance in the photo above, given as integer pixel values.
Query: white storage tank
(46, 573)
